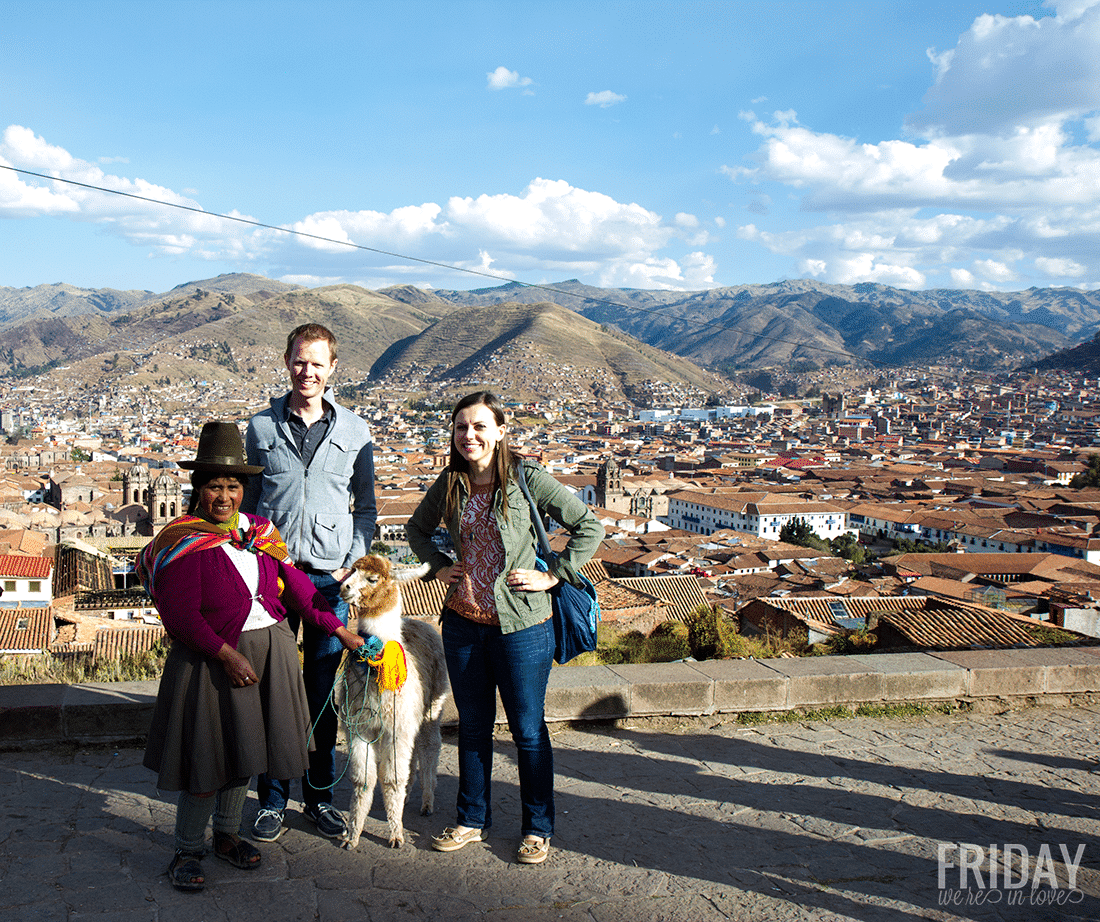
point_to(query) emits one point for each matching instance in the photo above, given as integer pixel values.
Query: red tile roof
(27, 567)
(23, 629)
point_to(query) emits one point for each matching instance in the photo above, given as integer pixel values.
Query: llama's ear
(404, 574)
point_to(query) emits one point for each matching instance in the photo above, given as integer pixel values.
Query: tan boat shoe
(533, 850)
(454, 837)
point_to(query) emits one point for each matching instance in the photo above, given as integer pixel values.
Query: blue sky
(686, 145)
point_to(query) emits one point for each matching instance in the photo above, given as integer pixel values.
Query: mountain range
(612, 342)
(803, 322)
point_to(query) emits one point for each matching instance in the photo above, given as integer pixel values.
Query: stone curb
(33, 714)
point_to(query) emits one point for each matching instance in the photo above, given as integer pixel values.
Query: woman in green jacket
(496, 617)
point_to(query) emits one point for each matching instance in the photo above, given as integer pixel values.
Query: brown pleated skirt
(206, 733)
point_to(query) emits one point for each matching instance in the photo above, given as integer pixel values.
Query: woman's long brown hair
(459, 468)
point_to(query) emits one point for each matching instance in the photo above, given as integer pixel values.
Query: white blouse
(249, 568)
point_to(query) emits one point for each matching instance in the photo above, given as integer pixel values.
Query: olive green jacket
(516, 610)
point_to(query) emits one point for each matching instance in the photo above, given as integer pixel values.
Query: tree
(380, 548)
(849, 548)
(79, 454)
(1090, 478)
(909, 546)
(797, 531)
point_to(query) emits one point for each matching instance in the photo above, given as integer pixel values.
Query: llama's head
(372, 588)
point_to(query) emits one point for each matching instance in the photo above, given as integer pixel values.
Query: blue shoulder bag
(576, 610)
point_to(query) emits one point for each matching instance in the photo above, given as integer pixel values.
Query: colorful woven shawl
(189, 534)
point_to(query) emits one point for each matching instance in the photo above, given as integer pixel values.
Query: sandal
(185, 871)
(454, 837)
(240, 854)
(533, 850)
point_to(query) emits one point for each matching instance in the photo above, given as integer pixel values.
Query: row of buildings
(693, 499)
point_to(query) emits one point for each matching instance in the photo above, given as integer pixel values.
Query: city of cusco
(799, 302)
(832, 496)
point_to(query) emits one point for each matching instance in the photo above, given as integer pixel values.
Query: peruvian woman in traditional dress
(231, 702)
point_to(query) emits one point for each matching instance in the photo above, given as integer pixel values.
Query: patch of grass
(844, 712)
(909, 709)
(666, 643)
(861, 641)
(1050, 635)
(752, 718)
(710, 635)
(51, 670)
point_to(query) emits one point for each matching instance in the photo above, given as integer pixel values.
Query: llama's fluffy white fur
(391, 734)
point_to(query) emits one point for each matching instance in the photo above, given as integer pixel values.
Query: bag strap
(536, 518)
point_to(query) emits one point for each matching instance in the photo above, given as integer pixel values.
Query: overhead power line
(441, 265)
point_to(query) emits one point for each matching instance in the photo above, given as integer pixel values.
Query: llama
(389, 731)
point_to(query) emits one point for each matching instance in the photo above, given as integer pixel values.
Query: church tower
(641, 504)
(609, 487)
(135, 485)
(166, 500)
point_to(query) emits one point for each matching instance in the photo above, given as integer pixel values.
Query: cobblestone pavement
(666, 820)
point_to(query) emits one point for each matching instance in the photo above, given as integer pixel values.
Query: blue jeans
(321, 657)
(480, 660)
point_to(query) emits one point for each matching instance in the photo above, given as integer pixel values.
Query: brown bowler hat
(221, 450)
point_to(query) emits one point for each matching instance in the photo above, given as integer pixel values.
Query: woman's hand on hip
(237, 667)
(451, 574)
(531, 580)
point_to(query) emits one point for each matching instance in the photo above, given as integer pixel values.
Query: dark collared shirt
(307, 438)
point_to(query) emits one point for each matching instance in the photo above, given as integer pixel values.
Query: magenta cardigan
(204, 603)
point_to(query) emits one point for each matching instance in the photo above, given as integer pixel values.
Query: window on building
(35, 585)
(23, 624)
(9, 585)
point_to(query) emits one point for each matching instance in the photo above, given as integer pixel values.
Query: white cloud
(994, 272)
(994, 167)
(867, 267)
(693, 272)
(1071, 9)
(561, 223)
(165, 230)
(698, 270)
(1060, 268)
(504, 79)
(1011, 72)
(550, 229)
(604, 99)
(21, 197)
(311, 281)
(402, 226)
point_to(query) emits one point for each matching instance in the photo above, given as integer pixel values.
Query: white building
(27, 581)
(760, 514)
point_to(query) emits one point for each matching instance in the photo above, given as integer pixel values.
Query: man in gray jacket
(318, 489)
